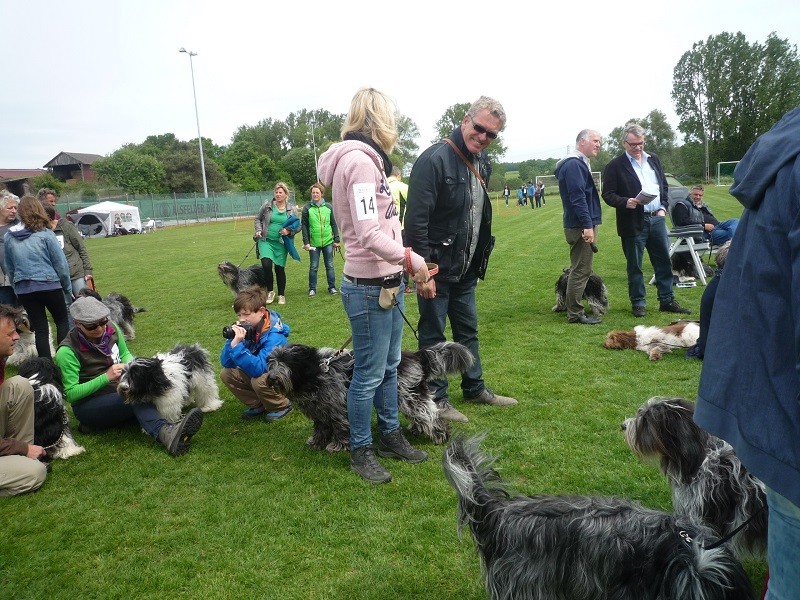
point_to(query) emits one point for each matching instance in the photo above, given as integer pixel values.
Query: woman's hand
(115, 372)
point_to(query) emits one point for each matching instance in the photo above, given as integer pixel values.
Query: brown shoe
(487, 396)
(449, 412)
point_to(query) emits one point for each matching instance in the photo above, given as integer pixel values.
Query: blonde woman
(275, 226)
(357, 168)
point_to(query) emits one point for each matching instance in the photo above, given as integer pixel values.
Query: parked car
(677, 191)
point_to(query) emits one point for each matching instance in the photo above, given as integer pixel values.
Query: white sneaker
(281, 299)
(270, 297)
(312, 293)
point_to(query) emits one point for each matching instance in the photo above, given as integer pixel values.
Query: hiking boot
(487, 396)
(270, 297)
(176, 436)
(277, 414)
(363, 462)
(673, 307)
(394, 445)
(450, 413)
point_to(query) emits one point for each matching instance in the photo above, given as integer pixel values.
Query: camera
(250, 332)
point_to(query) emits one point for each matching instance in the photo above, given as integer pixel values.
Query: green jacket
(318, 225)
(74, 249)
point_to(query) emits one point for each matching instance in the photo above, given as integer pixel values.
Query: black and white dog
(595, 293)
(173, 380)
(50, 421)
(708, 481)
(238, 279)
(316, 382)
(543, 546)
(121, 310)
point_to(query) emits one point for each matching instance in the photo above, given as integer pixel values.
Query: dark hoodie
(749, 391)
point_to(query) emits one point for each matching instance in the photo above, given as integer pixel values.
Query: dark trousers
(280, 275)
(35, 305)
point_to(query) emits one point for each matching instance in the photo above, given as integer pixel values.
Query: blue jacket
(578, 194)
(35, 256)
(750, 384)
(292, 224)
(251, 357)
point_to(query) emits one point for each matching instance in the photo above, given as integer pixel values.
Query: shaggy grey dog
(316, 381)
(588, 548)
(595, 293)
(121, 310)
(708, 480)
(238, 279)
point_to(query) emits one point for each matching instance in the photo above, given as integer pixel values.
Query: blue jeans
(723, 232)
(783, 548)
(109, 410)
(653, 238)
(313, 267)
(377, 334)
(454, 301)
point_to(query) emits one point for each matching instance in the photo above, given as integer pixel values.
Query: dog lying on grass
(655, 341)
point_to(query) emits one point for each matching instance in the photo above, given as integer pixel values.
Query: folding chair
(690, 239)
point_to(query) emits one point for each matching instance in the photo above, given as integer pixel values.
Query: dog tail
(445, 358)
(469, 470)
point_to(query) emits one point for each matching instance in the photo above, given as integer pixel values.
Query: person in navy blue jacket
(582, 215)
(244, 357)
(750, 383)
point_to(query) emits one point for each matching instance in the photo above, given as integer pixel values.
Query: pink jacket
(364, 211)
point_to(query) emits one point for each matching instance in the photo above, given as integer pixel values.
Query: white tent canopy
(98, 220)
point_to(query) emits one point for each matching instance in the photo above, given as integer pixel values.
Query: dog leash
(246, 255)
(688, 538)
(326, 364)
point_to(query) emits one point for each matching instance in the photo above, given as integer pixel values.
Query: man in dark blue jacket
(581, 217)
(750, 383)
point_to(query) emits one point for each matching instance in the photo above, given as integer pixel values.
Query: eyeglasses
(636, 145)
(95, 325)
(482, 130)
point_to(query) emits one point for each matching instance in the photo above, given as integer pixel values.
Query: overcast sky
(90, 76)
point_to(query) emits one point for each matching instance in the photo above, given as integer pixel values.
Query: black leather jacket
(437, 218)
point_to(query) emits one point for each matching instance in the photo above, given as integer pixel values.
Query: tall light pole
(197, 117)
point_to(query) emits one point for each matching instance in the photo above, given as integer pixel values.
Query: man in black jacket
(448, 220)
(693, 211)
(640, 222)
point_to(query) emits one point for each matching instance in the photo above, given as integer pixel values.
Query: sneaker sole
(191, 426)
(269, 419)
(392, 454)
(386, 479)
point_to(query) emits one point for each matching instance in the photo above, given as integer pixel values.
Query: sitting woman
(92, 358)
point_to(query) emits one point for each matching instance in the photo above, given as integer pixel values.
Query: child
(244, 357)
(319, 235)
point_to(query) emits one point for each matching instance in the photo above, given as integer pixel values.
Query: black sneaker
(673, 307)
(394, 445)
(363, 462)
(639, 311)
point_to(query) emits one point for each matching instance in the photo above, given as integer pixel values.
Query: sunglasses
(482, 130)
(95, 325)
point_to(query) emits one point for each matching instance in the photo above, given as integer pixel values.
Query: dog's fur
(173, 380)
(656, 341)
(50, 421)
(595, 293)
(568, 547)
(708, 481)
(316, 382)
(25, 347)
(121, 310)
(238, 279)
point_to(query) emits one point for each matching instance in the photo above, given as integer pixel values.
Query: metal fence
(178, 209)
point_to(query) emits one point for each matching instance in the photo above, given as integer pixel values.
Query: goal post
(725, 172)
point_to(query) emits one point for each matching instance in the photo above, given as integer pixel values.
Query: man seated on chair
(692, 211)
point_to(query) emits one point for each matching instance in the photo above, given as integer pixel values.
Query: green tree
(268, 136)
(47, 181)
(299, 165)
(727, 92)
(184, 175)
(452, 118)
(132, 171)
(245, 166)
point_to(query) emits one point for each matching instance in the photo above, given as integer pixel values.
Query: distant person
(38, 270)
(21, 469)
(582, 215)
(451, 225)
(71, 241)
(750, 384)
(520, 197)
(244, 357)
(92, 358)
(8, 217)
(531, 193)
(640, 225)
(50, 197)
(693, 211)
(275, 227)
(320, 236)
(524, 194)
(399, 192)
(538, 194)
(541, 189)
(506, 193)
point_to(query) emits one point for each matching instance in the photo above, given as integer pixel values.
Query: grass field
(251, 512)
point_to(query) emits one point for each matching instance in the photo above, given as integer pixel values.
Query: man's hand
(35, 452)
(588, 236)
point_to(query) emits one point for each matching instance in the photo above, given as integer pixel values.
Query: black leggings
(280, 275)
(35, 305)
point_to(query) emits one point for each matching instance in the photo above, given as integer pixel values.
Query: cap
(88, 310)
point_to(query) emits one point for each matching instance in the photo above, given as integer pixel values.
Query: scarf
(387, 164)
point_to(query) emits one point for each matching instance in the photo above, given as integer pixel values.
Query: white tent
(98, 220)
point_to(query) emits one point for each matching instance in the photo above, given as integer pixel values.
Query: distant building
(16, 181)
(73, 166)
